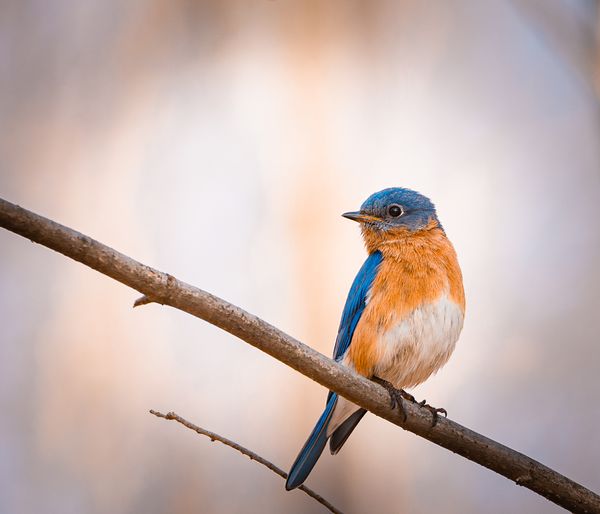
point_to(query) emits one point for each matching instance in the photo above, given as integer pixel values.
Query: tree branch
(166, 289)
(253, 456)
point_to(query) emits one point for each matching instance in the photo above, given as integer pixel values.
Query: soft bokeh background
(220, 141)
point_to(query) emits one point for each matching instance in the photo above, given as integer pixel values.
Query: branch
(166, 289)
(253, 456)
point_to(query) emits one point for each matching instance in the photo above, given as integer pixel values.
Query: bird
(402, 317)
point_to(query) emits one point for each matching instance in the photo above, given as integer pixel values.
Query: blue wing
(355, 303)
(312, 449)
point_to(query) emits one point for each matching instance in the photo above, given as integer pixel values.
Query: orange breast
(417, 268)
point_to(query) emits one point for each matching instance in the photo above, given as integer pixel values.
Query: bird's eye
(395, 210)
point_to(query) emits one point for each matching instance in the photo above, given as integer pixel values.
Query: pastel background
(220, 141)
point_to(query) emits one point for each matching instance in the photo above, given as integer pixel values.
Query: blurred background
(220, 141)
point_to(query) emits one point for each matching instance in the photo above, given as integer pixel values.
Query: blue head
(395, 208)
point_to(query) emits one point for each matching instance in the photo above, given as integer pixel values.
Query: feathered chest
(414, 314)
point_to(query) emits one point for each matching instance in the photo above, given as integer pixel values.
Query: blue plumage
(355, 303)
(416, 210)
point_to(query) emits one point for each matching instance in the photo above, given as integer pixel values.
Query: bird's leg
(396, 395)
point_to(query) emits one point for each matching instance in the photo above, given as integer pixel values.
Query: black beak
(354, 216)
(360, 217)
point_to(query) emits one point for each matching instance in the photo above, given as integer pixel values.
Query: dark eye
(395, 210)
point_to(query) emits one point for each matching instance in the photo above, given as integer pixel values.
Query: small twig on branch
(142, 300)
(253, 456)
(166, 289)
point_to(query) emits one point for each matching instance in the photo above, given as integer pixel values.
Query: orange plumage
(417, 268)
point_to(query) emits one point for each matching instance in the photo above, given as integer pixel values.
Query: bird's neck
(400, 240)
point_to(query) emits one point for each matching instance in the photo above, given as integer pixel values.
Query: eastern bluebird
(402, 317)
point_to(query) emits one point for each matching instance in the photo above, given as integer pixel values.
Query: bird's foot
(396, 395)
(435, 412)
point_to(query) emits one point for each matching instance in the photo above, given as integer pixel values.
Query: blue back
(355, 303)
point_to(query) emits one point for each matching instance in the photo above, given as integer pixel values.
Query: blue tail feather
(312, 449)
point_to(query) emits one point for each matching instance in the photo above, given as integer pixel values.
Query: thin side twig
(213, 436)
(143, 300)
(166, 289)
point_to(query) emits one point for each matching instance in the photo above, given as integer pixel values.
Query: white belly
(420, 343)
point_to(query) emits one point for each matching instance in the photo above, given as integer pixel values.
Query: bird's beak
(360, 217)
